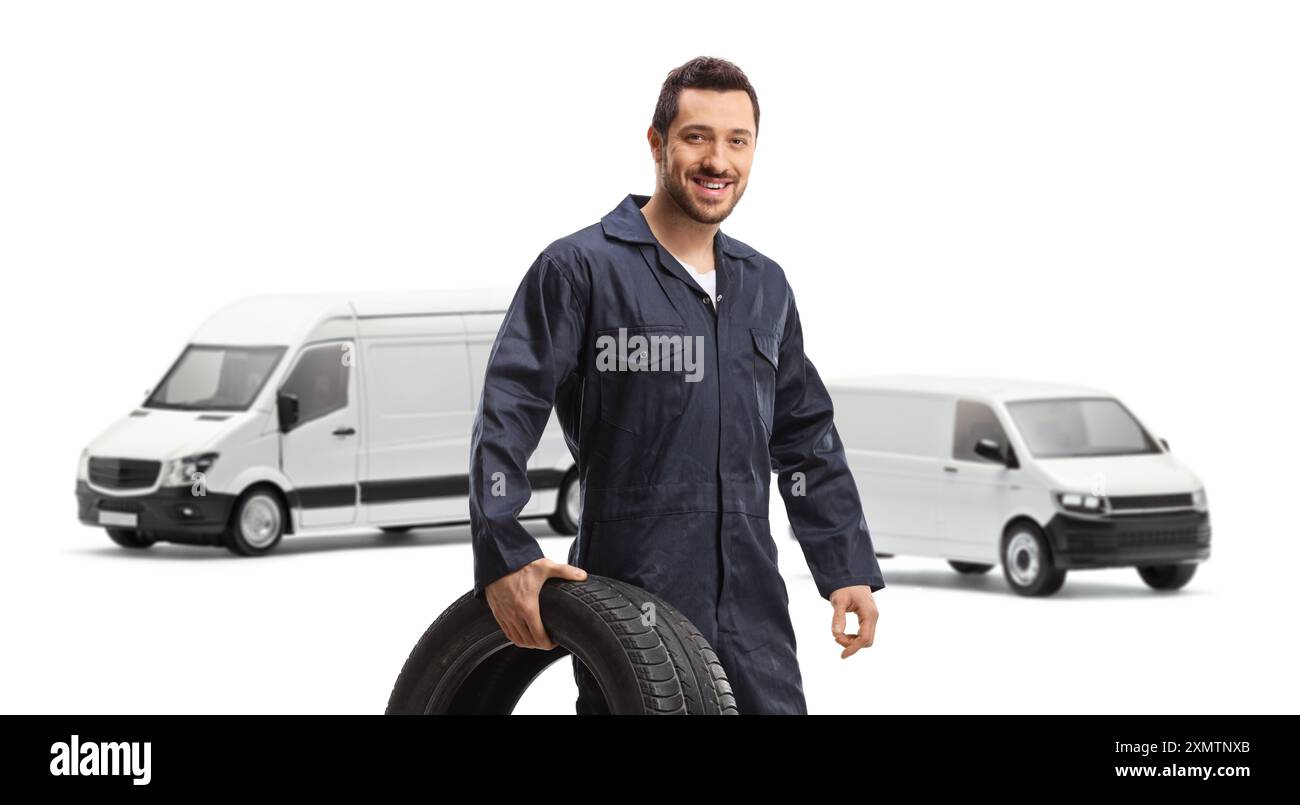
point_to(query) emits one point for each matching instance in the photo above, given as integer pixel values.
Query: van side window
(320, 380)
(975, 421)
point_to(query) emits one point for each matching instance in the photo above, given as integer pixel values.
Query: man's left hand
(858, 600)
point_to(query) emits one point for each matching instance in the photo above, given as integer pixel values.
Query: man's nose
(715, 162)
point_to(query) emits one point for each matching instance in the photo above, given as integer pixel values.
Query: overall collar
(626, 222)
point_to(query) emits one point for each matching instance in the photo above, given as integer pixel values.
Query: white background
(1102, 193)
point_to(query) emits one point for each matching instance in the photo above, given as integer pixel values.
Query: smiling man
(675, 475)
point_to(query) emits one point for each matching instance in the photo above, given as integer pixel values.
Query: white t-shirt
(708, 280)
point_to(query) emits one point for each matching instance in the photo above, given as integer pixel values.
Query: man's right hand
(513, 599)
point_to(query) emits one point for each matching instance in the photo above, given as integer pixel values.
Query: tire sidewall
(234, 536)
(561, 520)
(1047, 579)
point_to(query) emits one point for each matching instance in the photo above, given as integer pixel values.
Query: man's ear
(656, 144)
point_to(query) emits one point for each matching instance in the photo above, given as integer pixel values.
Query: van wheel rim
(573, 501)
(259, 523)
(1023, 559)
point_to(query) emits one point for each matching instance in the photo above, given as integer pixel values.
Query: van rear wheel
(129, 538)
(256, 524)
(1167, 577)
(969, 567)
(1027, 561)
(568, 506)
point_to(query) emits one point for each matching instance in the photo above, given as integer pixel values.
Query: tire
(1027, 561)
(129, 538)
(1167, 577)
(969, 568)
(257, 522)
(465, 664)
(568, 506)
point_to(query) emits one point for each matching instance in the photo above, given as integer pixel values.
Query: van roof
(273, 319)
(1001, 389)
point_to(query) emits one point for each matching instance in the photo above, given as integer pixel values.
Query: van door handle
(949, 469)
(345, 431)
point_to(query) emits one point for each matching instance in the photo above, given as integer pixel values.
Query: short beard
(681, 195)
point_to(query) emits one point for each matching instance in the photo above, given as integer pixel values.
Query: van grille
(1152, 538)
(1150, 502)
(123, 473)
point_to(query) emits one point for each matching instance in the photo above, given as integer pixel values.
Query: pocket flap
(767, 345)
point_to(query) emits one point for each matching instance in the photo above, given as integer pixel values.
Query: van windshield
(1077, 427)
(215, 378)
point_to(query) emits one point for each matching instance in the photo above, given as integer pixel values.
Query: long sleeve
(537, 348)
(820, 495)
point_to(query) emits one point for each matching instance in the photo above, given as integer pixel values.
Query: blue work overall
(675, 459)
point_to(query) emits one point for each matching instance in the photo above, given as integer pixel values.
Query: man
(675, 460)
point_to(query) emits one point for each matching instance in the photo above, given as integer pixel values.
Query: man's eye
(739, 140)
(689, 136)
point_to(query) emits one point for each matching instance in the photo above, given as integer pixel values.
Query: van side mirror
(991, 450)
(286, 410)
(1165, 443)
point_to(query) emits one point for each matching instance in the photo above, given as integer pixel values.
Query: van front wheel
(1027, 562)
(128, 538)
(256, 524)
(1167, 577)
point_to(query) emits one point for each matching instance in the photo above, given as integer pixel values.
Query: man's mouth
(711, 187)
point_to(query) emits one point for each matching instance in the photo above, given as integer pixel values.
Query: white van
(307, 413)
(1039, 477)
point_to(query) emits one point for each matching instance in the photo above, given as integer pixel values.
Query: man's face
(710, 142)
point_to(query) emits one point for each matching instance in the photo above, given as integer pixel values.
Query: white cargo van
(311, 413)
(1039, 477)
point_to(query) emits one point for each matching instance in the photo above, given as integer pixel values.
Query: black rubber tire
(560, 521)
(129, 538)
(1167, 577)
(1049, 577)
(465, 664)
(969, 568)
(233, 538)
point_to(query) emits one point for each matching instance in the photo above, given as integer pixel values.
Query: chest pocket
(766, 360)
(642, 376)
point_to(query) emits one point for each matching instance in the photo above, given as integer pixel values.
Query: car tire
(1167, 577)
(1027, 561)
(129, 538)
(568, 506)
(646, 656)
(257, 522)
(969, 568)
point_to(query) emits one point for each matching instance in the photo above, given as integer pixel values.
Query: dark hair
(704, 72)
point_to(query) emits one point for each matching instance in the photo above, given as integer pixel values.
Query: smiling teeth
(714, 185)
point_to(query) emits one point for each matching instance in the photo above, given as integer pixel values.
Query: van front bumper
(1079, 542)
(171, 513)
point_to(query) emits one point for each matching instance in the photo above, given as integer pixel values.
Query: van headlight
(1199, 500)
(83, 465)
(1079, 503)
(181, 471)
